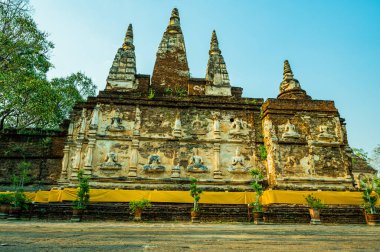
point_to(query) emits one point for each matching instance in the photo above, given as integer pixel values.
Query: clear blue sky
(333, 46)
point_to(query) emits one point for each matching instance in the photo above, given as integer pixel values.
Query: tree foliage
(27, 97)
(375, 159)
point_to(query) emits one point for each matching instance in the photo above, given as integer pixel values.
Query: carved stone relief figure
(110, 161)
(176, 170)
(137, 126)
(95, 117)
(75, 161)
(196, 163)
(83, 123)
(196, 127)
(238, 163)
(237, 127)
(290, 164)
(177, 129)
(324, 134)
(154, 164)
(290, 131)
(216, 125)
(116, 124)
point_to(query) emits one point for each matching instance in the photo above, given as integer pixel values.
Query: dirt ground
(182, 236)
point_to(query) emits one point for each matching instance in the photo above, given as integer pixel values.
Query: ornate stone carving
(116, 122)
(237, 127)
(291, 163)
(216, 125)
(154, 164)
(137, 126)
(95, 117)
(134, 158)
(324, 135)
(110, 162)
(176, 170)
(177, 129)
(196, 163)
(217, 172)
(290, 131)
(65, 161)
(238, 163)
(196, 126)
(83, 123)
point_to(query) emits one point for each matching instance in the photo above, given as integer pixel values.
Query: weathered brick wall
(43, 149)
(209, 213)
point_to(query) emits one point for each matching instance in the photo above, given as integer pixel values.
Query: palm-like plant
(371, 191)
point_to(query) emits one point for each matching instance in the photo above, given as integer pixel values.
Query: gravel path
(181, 236)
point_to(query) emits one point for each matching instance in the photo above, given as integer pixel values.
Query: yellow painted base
(269, 197)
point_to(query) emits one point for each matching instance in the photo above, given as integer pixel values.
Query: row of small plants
(17, 201)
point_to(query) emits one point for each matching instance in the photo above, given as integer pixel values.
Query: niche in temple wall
(116, 120)
(236, 160)
(111, 157)
(157, 121)
(325, 129)
(197, 159)
(328, 161)
(294, 161)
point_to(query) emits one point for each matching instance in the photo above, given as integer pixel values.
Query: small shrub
(151, 94)
(139, 204)
(168, 91)
(314, 202)
(23, 176)
(181, 92)
(371, 192)
(6, 199)
(19, 200)
(83, 194)
(195, 192)
(263, 152)
(258, 189)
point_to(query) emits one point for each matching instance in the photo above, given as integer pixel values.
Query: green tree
(375, 158)
(68, 91)
(27, 97)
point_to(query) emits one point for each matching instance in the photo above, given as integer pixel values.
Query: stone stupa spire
(214, 44)
(216, 72)
(128, 40)
(288, 73)
(123, 70)
(171, 70)
(290, 87)
(174, 19)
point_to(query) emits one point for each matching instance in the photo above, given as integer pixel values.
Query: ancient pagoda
(157, 132)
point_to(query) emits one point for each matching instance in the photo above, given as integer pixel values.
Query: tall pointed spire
(128, 40)
(174, 18)
(171, 70)
(288, 73)
(123, 70)
(214, 44)
(290, 88)
(216, 72)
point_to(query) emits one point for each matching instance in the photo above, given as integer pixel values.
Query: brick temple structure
(149, 132)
